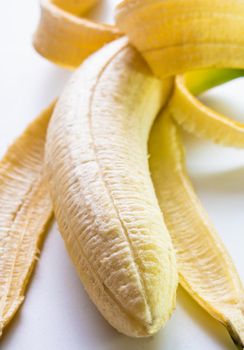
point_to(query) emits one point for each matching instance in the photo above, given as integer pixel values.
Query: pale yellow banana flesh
(103, 197)
(205, 268)
(67, 39)
(25, 209)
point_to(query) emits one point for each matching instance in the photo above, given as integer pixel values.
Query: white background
(57, 313)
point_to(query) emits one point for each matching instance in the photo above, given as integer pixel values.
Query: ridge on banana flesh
(64, 37)
(179, 36)
(25, 210)
(206, 270)
(195, 117)
(103, 197)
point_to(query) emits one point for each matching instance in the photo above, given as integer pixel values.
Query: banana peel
(206, 270)
(26, 209)
(76, 7)
(197, 118)
(176, 36)
(191, 40)
(66, 38)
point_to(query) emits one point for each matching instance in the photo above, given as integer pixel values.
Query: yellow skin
(195, 117)
(182, 44)
(191, 35)
(73, 6)
(66, 38)
(25, 211)
(177, 36)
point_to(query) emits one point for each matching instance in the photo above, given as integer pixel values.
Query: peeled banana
(103, 197)
(205, 268)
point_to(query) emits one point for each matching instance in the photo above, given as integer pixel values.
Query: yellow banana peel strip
(77, 7)
(195, 117)
(205, 268)
(25, 210)
(177, 36)
(64, 37)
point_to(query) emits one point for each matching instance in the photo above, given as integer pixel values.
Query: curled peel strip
(176, 36)
(65, 37)
(199, 119)
(25, 211)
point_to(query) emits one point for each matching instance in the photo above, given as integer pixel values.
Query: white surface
(57, 313)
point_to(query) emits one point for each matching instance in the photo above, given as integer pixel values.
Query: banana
(205, 268)
(177, 36)
(103, 197)
(25, 210)
(97, 167)
(67, 39)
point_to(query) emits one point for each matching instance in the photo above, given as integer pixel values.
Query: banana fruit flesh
(103, 197)
(205, 268)
(64, 37)
(25, 210)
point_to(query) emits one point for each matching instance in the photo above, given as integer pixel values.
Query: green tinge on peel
(202, 80)
(197, 118)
